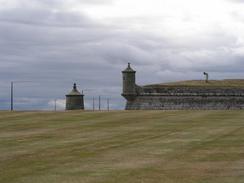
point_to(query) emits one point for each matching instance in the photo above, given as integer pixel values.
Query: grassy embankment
(226, 83)
(122, 147)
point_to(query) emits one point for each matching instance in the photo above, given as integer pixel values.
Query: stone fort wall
(176, 98)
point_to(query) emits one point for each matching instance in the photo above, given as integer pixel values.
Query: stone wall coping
(192, 94)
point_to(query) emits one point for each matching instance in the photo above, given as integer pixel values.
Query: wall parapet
(193, 94)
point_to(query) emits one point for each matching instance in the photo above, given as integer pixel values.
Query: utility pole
(55, 105)
(108, 104)
(12, 96)
(93, 104)
(99, 103)
(12, 92)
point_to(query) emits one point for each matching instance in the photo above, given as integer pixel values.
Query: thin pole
(206, 74)
(108, 103)
(12, 93)
(12, 96)
(93, 104)
(55, 105)
(99, 103)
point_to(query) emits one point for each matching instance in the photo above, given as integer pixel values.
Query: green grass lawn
(226, 83)
(122, 147)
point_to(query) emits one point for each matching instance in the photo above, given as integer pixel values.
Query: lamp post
(12, 93)
(108, 107)
(93, 103)
(12, 96)
(99, 103)
(55, 105)
(206, 75)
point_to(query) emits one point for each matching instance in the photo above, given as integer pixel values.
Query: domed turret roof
(74, 92)
(129, 69)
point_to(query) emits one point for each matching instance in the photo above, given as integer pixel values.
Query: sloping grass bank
(122, 147)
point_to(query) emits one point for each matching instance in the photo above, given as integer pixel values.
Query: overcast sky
(54, 43)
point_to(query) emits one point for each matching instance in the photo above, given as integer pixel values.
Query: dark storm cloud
(53, 49)
(56, 49)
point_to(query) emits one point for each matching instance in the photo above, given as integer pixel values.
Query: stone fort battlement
(218, 95)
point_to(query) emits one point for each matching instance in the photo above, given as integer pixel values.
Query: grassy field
(226, 83)
(122, 147)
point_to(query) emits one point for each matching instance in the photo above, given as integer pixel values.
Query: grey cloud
(237, 16)
(55, 2)
(237, 1)
(44, 17)
(51, 4)
(55, 49)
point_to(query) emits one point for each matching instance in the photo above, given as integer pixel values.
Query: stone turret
(75, 100)
(129, 83)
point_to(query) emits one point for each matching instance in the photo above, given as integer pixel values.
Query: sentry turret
(129, 83)
(75, 100)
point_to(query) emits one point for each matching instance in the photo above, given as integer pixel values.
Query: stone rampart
(176, 98)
